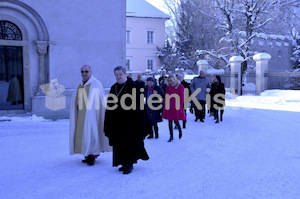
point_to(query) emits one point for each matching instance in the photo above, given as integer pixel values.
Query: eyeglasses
(85, 71)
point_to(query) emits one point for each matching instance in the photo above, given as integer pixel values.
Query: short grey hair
(120, 68)
(181, 75)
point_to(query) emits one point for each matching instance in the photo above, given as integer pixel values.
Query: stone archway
(34, 31)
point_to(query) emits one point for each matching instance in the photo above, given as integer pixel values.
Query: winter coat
(162, 82)
(186, 85)
(217, 88)
(203, 84)
(140, 84)
(153, 115)
(172, 113)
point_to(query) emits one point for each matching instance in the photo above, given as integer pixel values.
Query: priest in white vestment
(87, 114)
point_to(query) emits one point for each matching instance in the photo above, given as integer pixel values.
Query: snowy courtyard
(253, 153)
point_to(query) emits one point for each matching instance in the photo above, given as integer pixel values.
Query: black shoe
(180, 131)
(85, 160)
(196, 119)
(201, 120)
(221, 119)
(217, 121)
(90, 160)
(128, 169)
(121, 168)
(180, 134)
(150, 137)
(156, 136)
(171, 139)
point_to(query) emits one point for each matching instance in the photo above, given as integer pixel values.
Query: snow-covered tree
(219, 29)
(190, 30)
(168, 56)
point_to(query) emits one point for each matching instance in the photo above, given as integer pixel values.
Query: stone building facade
(48, 41)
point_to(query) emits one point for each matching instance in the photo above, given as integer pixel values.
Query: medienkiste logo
(54, 98)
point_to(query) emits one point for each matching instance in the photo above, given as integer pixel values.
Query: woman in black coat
(153, 115)
(218, 98)
(125, 127)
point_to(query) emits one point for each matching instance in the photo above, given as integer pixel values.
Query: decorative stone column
(202, 65)
(236, 74)
(262, 60)
(42, 48)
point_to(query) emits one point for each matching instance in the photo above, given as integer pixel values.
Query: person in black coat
(186, 85)
(126, 129)
(218, 98)
(139, 82)
(162, 80)
(153, 115)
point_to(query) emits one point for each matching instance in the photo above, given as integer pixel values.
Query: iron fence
(283, 80)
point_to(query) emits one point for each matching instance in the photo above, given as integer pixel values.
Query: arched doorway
(11, 68)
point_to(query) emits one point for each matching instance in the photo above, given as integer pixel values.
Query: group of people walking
(121, 122)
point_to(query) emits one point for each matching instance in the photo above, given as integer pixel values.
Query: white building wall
(82, 32)
(139, 50)
(78, 32)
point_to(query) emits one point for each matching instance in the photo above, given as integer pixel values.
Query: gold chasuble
(80, 117)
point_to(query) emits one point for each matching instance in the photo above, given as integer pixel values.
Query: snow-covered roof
(143, 9)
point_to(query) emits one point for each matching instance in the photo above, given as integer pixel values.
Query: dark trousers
(200, 111)
(155, 127)
(216, 114)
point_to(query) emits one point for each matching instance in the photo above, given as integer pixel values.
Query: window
(128, 36)
(128, 63)
(150, 37)
(150, 64)
(9, 31)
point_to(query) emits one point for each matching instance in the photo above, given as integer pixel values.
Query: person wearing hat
(218, 98)
(153, 115)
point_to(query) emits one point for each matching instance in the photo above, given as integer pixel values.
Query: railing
(283, 80)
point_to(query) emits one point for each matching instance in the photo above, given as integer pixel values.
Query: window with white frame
(150, 36)
(128, 36)
(128, 63)
(150, 63)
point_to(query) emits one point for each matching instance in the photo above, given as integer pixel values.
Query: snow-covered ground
(253, 153)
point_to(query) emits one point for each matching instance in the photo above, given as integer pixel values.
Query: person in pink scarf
(173, 107)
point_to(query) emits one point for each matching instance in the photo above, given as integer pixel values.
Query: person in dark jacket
(154, 79)
(125, 127)
(218, 98)
(162, 80)
(154, 115)
(180, 77)
(139, 82)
